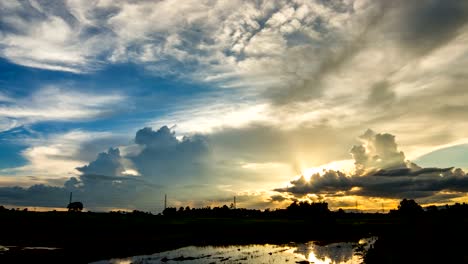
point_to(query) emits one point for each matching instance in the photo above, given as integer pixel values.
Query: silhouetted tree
(170, 211)
(432, 209)
(75, 207)
(409, 207)
(306, 209)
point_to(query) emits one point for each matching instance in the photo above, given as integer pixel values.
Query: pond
(310, 252)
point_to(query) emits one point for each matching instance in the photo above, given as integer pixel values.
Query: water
(310, 252)
(7, 248)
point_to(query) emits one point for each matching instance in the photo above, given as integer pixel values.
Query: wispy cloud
(57, 104)
(57, 155)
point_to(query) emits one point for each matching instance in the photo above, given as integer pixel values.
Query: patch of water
(310, 252)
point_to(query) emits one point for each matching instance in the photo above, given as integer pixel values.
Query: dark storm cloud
(428, 24)
(330, 182)
(410, 171)
(411, 185)
(382, 172)
(38, 195)
(278, 198)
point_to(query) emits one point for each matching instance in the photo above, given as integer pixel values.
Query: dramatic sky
(341, 101)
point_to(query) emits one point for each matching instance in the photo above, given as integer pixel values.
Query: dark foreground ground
(437, 237)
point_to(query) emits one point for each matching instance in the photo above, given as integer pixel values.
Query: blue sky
(242, 98)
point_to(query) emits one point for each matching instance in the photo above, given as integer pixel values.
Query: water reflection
(342, 253)
(311, 252)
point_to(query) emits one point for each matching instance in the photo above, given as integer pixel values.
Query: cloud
(58, 104)
(159, 159)
(56, 155)
(106, 164)
(278, 198)
(95, 191)
(290, 61)
(381, 94)
(257, 138)
(184, 166)
(49, 36)
(296, 79)
(378, 151)
(289, 50)
(444, 18)
(166, 158)
(378, 177)
(418, 184)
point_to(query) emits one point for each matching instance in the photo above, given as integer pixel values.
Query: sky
(352, 102)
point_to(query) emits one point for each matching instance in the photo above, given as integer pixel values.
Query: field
(82, 237)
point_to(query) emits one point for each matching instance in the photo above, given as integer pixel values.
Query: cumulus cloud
(160, 157)
(165, 162)
(107, 163)
(378, 177)
(166, 158)
(378, 151)
(161, 161)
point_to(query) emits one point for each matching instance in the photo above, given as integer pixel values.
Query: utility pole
(356, 207)
(165, 201)
(71, 195)
(235, 207)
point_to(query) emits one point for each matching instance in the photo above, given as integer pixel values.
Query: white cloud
(53, 103)
(55, 155)
(44, 39)
(209, 118)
